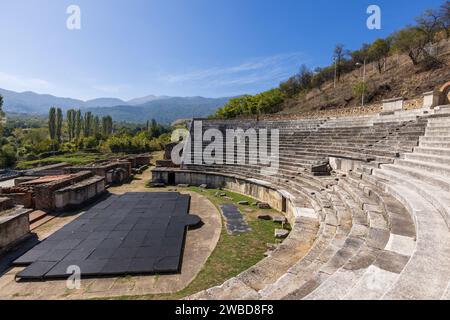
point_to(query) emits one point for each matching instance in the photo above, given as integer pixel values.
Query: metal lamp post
(335, 72)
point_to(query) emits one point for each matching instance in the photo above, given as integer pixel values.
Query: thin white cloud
(258, 70)
(20, 83)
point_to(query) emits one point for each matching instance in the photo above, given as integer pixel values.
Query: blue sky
(212, 48)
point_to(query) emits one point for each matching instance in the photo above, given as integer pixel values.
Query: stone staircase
(426, 170)
(39, 218)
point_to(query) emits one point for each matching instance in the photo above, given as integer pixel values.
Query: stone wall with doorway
(258, 189)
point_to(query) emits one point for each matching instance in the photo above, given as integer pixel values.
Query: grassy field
(72, 159)
(233, 254)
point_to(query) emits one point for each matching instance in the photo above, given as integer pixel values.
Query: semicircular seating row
(381, 232)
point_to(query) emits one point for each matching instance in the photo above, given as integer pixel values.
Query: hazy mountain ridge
(162, 108)
(142, 100)
(165, 110)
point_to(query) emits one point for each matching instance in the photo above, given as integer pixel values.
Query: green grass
(72, 159)
(233, 253)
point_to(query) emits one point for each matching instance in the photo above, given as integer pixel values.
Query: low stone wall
(138, 160)
(45, 194)
(76, 195)
(22, 180)
(393, 104)
(262, 191)
(105, 170)
(49, 170)
(430, 99)
(413, 104)
(18, 196)
(5, 203)
(14, 227)
(166, 164)
(143, 160)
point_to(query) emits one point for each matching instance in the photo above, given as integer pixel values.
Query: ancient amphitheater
(375, 227)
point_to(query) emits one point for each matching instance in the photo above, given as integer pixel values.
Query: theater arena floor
(200, 243)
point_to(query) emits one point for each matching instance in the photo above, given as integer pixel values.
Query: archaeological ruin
(366, 197)
(372, 223)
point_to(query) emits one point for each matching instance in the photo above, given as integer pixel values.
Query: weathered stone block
(393, 104)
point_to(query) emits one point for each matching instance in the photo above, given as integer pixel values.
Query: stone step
(378, 277)
(330, 261)
(425, 157)
(358, 196)
(443, 111)
(440, 199)
(433, 151)
(438, 123)
(437, 133)
(435, 139)
(426, 274)
(444, 145)
(440, 119)
(433, 168)
(398, 218)
(441, 128)
(37, 215)
(288, 283)
(43, 220)
(337, 285)
(324, 257)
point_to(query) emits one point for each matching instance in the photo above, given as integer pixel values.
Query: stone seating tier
(383, 230)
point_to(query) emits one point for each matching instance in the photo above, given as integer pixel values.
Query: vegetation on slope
(341, 85)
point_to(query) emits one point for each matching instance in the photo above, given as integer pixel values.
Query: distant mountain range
(163, 109)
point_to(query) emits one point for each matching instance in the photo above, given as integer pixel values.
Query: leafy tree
(322, 75)
(7, 156)
(379, 52)
(265, 102)
(339, 55)
(444, 18)
(89, 143)
(71, 123)
(412, 42)
(88, 124)
(107, 126)
(361, 55)
(59, 124)
(235, 107)
(359, 89)
(297, 83)
(52, 123)
(269, 101)
(78, 124)
(96, 126)
(2, 115)
(429, 23)
(153, 128)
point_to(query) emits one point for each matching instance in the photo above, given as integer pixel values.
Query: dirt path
(137, 185)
